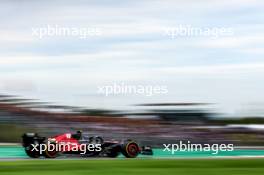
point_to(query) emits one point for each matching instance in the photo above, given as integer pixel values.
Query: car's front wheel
(130, 149)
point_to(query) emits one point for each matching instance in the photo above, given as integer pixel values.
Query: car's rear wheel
(31, 151)
(51, 153)
(130, 149)
(32, 154)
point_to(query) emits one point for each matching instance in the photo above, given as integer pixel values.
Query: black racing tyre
(130, 149)
(32, 154)
(51, 154)
(31, 151)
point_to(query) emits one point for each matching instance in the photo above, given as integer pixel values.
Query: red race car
(37, 146)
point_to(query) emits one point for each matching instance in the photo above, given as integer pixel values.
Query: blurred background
(50, 81)
(150, 124)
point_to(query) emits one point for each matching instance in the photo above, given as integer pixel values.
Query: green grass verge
(134, 166)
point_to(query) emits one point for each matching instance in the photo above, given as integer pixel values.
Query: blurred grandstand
(152, 124)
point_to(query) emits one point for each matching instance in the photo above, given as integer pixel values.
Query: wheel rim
(132, 149)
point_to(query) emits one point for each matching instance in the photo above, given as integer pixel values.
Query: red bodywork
(66, 142)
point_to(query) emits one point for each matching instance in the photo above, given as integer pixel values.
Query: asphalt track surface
(17, 153)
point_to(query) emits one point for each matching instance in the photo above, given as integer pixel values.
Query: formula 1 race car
(37, 146)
